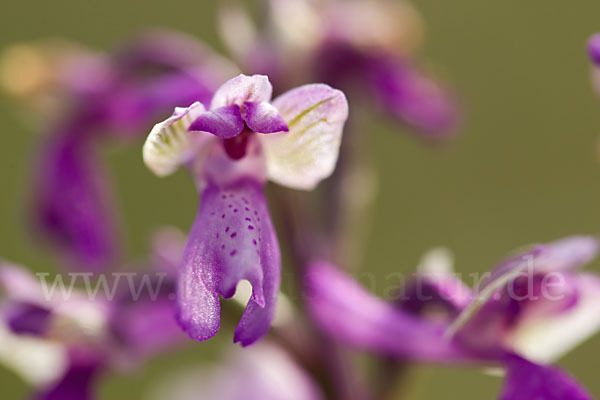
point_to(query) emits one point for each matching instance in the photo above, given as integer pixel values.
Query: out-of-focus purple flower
(534, 305)
(61, 339)
(56, 343)
(526, 380)
(232, 148)
(594, 49)
(334, 42)
(349, 313)
(78, 380)
(111, 96)
(72, 202)
(264, 371)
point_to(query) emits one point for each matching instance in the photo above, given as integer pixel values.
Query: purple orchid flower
(231, 149)
(265, 368)
(334, 42)
(534, 306)
(62, 341)
(103, 97)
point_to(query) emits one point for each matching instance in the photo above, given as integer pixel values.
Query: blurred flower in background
(63, 340)
(532, 308)
(81, 99)
(366, 48)
(264, 371)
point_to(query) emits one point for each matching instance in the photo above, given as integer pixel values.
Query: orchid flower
(264, 371)
(101, 97)
(61, 340)
(519, 321)
(231, 149)
(334, 41)
(537, 303)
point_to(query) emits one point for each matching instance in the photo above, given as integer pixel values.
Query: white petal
(37, 361)
(315, 115)
(545, 339)
(169, 144)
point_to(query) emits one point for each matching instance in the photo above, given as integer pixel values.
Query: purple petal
(133, 105)
(155, 71)
(348, 313)
(146, 325)
(72, 208)
(163, 48)
(23, 318)
(243, 88)
(413, 97)
(232, 239)
(594, 48)
(561, 255)
(264, 118)
(76, 384)
(567, 254)
(225, 122)
(19, 285)
(436, 285)
(257, 318)
(526, 380)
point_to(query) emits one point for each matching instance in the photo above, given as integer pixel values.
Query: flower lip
(231, 240)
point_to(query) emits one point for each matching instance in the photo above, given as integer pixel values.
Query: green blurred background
(523, 170)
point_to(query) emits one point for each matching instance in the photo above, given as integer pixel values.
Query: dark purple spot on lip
(255, 212)
(250, 227)
(222, 247)
(226, 229)
(235, 210)
(246, 208)
(231, 205)
(223, 216)
(234, 234)
(223, 196)
(254, 242)
(248, 219)
(233, 253)
(217, 235)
